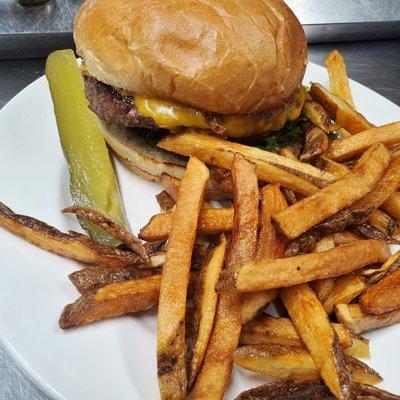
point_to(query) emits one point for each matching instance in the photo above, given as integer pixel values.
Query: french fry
(301, 177)
(322, 287)
(111, 227)
(359, 348)
(93, 278)
(285, 362)
(165, 201)
(112, 300)
(357, 321)
(311, 390)
(205, 304)
(316, 143)
(392, 205)
(310, 211)
(374, 274)
(283, 272)
(380, 225)
(333, 167)
(277, 361)
(314, 328)
(175, 277)
(347, 149)
(223, 178)
(344, 237)
(215, 373)
(277, 330)
(338, 79)
(270, 245)
(171, 186)
(341, 112)
(73, 246)
(383, 222)
(212, 221)
(297, 389)
(286, 152)
(384, 296)
(157, 260)
(381, 194)
(346, 289)
(368, 392)
(318, 116)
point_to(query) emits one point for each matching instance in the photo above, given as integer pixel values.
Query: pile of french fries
(307, 233)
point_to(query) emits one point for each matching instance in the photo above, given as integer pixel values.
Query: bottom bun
(137, 150)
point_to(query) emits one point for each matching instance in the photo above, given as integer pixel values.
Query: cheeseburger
(232, 68)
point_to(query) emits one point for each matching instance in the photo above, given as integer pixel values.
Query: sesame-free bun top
(223, 56)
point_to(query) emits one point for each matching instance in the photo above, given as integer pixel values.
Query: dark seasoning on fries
(309, 227)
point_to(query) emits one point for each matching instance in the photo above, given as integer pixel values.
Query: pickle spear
(92, 178)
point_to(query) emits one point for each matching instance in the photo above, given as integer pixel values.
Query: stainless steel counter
(374, 64)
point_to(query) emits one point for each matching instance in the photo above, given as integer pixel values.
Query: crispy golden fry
(213, 192)
(262, 275)
(344, 237)
(347, 149)
(165, 201)
(286, 152)
(357, 321)
(215, 373)
(301, 177)
(270, 245)
(341, 112)
(384, 296)
(205, 305)
(314, 328)
(222, 177)
(174, 284)
(286, 362)
(312, 210)
(93, 278)
(282, 389)
(278, 330)
(383, 191)
(277, 361)
(318, 116)
(368, 392)
(316, 144)
(211, 222)
(254, 303)
(374, 274)
(379, 226)
(346, 289)
(112, 300)
(157, 260)
(361, 372)
(338, 79)
(392, 205)
(333, 167)
(383, 222)
(322, 287)
(311, 390)
(111, 227)
(359, 348)
(74, 245)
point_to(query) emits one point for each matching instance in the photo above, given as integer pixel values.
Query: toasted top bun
(222, 56)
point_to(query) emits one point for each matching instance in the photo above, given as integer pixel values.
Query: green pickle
(92, 179)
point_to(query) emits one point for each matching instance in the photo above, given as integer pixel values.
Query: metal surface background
(374, 64)
(34, 31)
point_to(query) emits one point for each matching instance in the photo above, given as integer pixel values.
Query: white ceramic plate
(113, 359)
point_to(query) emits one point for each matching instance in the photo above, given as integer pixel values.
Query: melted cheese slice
(170, 115)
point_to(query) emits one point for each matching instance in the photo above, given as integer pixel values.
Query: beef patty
(114, 107)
